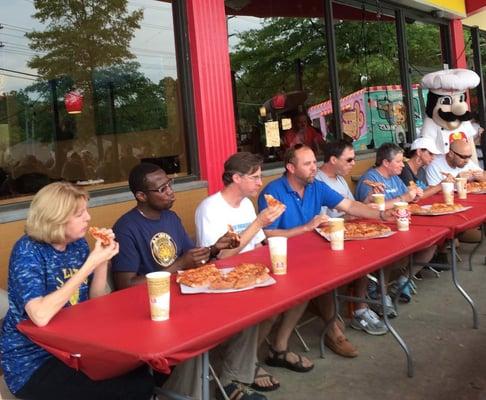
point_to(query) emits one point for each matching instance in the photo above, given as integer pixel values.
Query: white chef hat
(450, 81)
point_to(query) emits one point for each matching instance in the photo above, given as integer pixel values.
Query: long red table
(111, 335)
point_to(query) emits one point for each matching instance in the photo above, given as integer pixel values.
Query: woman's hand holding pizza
(101, 253)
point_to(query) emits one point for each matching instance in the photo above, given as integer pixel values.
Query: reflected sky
(153, 44)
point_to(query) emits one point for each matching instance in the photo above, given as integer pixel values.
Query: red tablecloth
(458, 222)
(114, 334)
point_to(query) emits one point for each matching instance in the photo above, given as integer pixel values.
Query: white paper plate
(383, 235)
(193, 290)
(427, 207)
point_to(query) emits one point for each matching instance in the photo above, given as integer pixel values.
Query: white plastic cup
(336, 231)
(278, 254)
(158, 284)
(402, 215)
(461, 188)
(448, 192)
(379, 199)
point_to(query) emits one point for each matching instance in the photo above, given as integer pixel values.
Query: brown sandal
(279, 359)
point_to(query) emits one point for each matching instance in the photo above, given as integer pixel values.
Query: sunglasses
(463, 156)
(349, 160)
(163, 189)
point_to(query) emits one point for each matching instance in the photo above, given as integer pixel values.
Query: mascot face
(451, 110)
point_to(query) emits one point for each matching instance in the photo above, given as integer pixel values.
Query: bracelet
(382, 215)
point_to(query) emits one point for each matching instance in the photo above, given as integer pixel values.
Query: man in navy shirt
(152, 238)
(304, 196)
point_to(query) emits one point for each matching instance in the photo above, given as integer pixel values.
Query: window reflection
(120, 61)
(279, 63)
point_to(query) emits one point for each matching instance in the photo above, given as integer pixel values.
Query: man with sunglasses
(152, 238)
(456, 162)
(339, 160)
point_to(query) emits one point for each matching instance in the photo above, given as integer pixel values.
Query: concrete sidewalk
(449, 356)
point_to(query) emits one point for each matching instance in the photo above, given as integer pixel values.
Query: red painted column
(457, 45)
(213, 98)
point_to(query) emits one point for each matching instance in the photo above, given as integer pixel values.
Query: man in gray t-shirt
(339, 160)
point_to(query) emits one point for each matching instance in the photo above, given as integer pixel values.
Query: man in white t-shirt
(456, 162)
(232, 207)
(339, 159)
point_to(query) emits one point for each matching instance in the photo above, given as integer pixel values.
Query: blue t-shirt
(148, 245)
(299, 211)
(394, 186)
(35, 270)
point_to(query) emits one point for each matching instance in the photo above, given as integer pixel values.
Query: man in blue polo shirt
(304, 196)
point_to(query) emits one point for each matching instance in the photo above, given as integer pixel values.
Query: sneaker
(369, 322)
(406, 289)
(391, 312)
(236, 390)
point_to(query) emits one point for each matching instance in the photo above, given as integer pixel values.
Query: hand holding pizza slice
(272, 201)
(105, 236)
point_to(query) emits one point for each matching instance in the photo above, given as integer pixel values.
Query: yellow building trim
(457, 7)
(478, 19)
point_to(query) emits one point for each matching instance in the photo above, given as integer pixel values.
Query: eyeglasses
(349, 160)
(163, 188)
(254, 178)
(463, 156)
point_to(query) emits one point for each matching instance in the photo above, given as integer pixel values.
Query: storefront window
(372, 105)
(87, 91)
(278, 63)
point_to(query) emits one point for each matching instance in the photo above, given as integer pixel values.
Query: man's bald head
(461, 147)
(459, 154)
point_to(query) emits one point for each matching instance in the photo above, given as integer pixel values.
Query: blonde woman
(50, 268)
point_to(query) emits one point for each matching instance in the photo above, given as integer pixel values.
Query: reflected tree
(80, 38)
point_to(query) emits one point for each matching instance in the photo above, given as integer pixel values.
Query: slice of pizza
(259, 271)
(272, 201)
(374, 184)
(222, 283)
(199, 277)
(98, 234)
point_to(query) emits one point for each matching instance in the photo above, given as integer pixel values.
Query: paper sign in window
(272, 134)
(286, 124)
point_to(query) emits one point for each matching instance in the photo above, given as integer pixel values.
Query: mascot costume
(448, 117)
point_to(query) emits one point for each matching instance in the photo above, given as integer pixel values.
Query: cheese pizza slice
(272, 201)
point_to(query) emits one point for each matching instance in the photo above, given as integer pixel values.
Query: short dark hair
(387, 151)
(137, 180)
(289, 155)
(243, 163)
(335, 149)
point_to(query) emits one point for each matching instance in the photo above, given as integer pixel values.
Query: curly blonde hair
(50, 209)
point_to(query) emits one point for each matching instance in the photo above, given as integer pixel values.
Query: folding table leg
(476, 247)
(395, 334)
(461, 290)
(205, 376)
